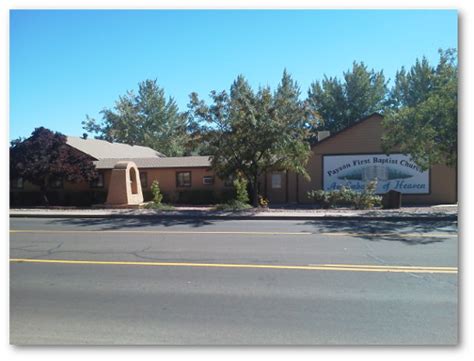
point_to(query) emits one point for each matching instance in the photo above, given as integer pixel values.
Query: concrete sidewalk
(405, 213)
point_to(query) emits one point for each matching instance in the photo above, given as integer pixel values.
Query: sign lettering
(395, 171)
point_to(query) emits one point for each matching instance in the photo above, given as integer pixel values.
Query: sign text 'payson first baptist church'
(395, 171)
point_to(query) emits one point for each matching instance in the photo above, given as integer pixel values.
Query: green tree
(147, 119)
(338, 104)
(252, 132)
(422, 117)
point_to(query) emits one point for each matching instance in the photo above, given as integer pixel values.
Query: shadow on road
(120, 223)
(410, 232)
(407, 232)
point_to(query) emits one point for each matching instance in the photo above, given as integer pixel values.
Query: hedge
(89, 198)
(58, 198)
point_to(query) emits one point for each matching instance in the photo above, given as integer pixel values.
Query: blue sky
(66, 64)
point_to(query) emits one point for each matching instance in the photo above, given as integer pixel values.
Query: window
(55, 183)
(98, 182)
(229, 181)
(208, 180)
(183, 179)
(276, 180)
(17, 183)
(144, 179)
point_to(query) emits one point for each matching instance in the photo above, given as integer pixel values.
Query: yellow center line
(334, 234)
(352, 268)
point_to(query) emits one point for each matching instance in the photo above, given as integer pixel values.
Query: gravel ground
(440, 210)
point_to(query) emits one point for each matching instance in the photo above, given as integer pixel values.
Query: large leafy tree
(252, 132)
(45, 156)
(422, 117)
(338, 104)
(147, 119)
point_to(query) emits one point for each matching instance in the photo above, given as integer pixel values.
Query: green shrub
(155, 190)
(241, 194)
(345, 196)
(236, 199)
(367, 199)
(323, 198)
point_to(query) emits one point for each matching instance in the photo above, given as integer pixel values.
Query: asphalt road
(175, 282)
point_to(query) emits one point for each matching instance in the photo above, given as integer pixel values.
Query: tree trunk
(255, 191)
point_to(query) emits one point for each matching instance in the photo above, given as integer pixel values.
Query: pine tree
(147, 119)
(338, 104)
(422, 118)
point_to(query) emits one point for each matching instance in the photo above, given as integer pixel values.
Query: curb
(448, 217)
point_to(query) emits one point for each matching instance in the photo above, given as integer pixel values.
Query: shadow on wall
(93, 197)
(58, 198)
(408, 232)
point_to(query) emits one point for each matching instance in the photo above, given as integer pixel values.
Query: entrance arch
(124, 188)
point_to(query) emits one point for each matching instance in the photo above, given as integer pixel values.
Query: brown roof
(101, 149)
(165, 162)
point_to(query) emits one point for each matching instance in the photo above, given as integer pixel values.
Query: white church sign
(395, 171)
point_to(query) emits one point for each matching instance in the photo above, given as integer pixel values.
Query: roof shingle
(101, 149)
(164, 162)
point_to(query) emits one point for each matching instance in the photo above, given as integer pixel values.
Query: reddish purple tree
(45, 156)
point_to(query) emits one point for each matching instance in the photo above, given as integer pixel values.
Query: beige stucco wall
(167, 179)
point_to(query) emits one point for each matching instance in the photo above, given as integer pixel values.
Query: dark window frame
(144, 184)
(190, 179)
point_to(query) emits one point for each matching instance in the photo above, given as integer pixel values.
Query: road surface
(200, 282)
